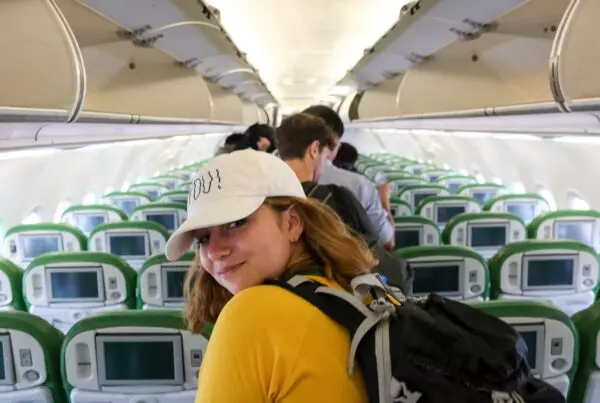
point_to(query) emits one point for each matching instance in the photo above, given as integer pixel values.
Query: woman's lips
(229, 268)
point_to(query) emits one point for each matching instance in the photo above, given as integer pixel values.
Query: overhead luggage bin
(552, 341)
(107, 71)
(160, 282)
(441, 209)
(485, 233)
(11, 296)
(575, 57)
(163, 358)
(31, 360)
(25, 242)
(127, 201)
(51, 91)
(525, 206)
(562, 272)
(87, 217)
(450, 271)
(171, 59)
(576, 225)
(63, 288)
(134, 241)
(415, 231)
(473, 63)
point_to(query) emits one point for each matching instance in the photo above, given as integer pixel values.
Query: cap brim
(222, 212)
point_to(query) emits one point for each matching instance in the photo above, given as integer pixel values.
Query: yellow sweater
(269, 345)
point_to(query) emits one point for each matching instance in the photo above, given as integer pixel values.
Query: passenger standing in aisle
(268, 345)
(261, 137)
(346, 157)
(375, 202)
(306, 144)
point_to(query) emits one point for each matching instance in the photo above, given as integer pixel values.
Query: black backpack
(345, 204)
(428, 349)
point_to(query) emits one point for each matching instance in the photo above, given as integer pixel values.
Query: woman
(261, 137)
(250, 221)
(346, 157)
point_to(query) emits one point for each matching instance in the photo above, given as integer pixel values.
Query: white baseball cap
(231, 187)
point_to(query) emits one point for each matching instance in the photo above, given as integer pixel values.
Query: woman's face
(263, 144)
(244, 253)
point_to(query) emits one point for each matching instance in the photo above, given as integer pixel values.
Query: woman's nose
(218, 246)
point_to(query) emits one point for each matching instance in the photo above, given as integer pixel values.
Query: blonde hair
(326, 242)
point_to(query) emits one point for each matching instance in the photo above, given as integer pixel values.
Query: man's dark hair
(236, 141)
(297, 132)
(258, 130)
(331, 117)
(346, 156)
(235, 138)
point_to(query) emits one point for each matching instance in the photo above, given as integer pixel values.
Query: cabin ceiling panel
(302, 48)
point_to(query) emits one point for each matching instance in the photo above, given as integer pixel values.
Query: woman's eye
(201, 240)
(236, 224)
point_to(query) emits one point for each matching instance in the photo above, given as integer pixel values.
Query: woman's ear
(293, 224)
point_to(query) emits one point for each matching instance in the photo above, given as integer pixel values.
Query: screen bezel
(77, 215)
(525, 274)
(23, 237)
(540, 331)
(165, 270)
(175, 199)
(7, 357)
(438, 206)
(575, 222)
(432, 193)
(127, 257)
(125, 200)
(457, 183)
(470, 228)
(461, 275)
(410, 229)
(490, 193)
(62, 269)
(150, 191)
(178, 361)
(160, 212)
(521, 204)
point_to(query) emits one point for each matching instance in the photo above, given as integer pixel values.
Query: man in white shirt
(364, 190)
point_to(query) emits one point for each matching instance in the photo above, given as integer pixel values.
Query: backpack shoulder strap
(318, 191)
(341, 306)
